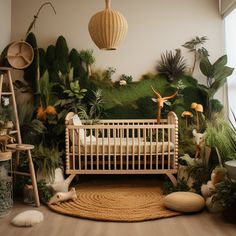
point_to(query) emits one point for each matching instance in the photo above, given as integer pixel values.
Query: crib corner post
(67, 151)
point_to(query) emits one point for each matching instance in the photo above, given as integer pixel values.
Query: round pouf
(184, 202)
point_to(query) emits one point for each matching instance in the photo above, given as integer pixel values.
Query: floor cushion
(184, 202)
(28, 218)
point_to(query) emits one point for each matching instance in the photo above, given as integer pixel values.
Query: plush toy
(198, 139)
(62, 197)
(208, 190)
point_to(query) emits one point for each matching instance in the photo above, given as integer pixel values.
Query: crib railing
(123, 146)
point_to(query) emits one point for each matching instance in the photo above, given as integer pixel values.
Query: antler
(158, 95)
(160, 102)
(171, 96)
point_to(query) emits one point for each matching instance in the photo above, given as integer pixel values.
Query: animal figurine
(198, 139)
(160, 103)
(208, 190)
(4, 140)
(62, 197)
(62, 186)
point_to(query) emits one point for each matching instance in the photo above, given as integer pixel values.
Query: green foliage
(186, 144)
(128, 94)
(225, 193)
(30, 71)
(127, 78)
(46, 95)
(32, 131)
(172, 66)
(195, 46)
(71, 101)
(62, 54)
(220, 134)
(96, 105)
(46, 160)
(216, 75)
(76, 64)
(87, 56)
(44, 192)
(168, 187)
(109, 72)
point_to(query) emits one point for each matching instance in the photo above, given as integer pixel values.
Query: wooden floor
(201, 224)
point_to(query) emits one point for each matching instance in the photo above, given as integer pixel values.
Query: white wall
(5, 23)
(154, 27)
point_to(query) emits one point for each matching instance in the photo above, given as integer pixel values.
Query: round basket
(20, 54)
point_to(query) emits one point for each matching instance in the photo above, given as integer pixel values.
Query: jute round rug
(127, 202)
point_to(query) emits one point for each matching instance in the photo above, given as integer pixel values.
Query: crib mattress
(130, 146)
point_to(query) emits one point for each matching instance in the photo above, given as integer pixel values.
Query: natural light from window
(230, 41)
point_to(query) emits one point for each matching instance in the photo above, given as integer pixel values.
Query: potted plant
(5, 158)
(46, 161)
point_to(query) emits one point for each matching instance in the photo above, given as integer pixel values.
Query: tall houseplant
(216, 75)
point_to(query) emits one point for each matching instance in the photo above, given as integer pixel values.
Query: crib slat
(163, 146)
(127, 149)
(139, 149)
(168, 148)
(79, 151)
(121, 154)
(150, 148)
(109, 149)
(157, 152)
(133, 146)
(103, 151)
(85, 150)
(145, 148)
(91, 149)
(115, 138)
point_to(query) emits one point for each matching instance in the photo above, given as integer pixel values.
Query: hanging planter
(108, 28)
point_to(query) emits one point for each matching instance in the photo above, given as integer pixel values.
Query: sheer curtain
(230, 44)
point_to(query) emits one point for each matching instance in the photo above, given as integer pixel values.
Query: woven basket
(108, 28)
(20, 54)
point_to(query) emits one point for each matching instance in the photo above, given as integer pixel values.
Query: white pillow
(77, 121)
(28, 218)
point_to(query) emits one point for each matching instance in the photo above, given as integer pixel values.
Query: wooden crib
(122, 147)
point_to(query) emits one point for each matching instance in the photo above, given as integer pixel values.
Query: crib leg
(172, 179)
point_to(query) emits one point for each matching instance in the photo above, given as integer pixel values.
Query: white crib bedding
(122, 146)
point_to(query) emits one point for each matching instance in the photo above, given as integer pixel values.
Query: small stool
(27, 148)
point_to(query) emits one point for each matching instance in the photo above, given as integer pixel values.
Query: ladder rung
(6, 93)
(13, 132)
(5, 68)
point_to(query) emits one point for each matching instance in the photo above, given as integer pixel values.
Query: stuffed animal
(198, 139)
(4, 140)
(62, 197)
(208, 190)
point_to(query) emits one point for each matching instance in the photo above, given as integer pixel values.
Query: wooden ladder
(7, 78)
(18, 147)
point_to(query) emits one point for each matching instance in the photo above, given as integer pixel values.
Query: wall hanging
(108, 28)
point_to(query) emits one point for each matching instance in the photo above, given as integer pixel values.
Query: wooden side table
(26, 148)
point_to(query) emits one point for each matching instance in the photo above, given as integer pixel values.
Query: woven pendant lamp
(108, 28)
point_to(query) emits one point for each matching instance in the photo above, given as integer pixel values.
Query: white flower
(122, 82)
(5, 101)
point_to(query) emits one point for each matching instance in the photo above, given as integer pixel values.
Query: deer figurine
(160, 103)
